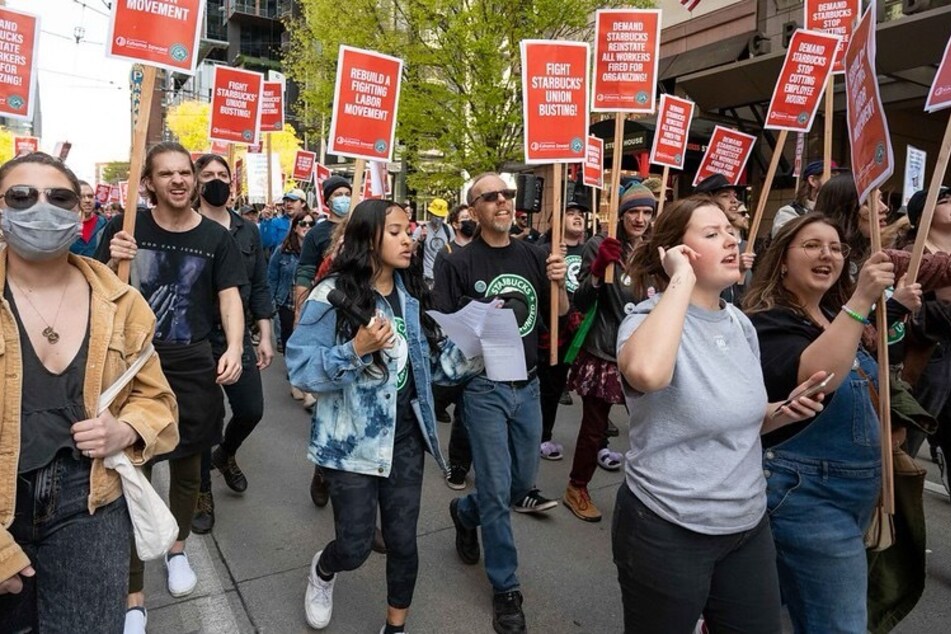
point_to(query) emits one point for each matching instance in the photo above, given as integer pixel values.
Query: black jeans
(355, 499)
(552, 380)
(81, 560)
(285, 315)
(670, 575)
(246, 398)
(460, 454)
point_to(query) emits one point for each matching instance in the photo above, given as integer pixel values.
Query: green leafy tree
(461, 102)
(115, 171)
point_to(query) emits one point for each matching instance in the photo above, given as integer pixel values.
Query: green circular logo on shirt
(507, 283)
(400, 352)
(574, 267)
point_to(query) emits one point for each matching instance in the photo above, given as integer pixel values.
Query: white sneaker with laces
(135, 620)
(181, 578)
(319, 598)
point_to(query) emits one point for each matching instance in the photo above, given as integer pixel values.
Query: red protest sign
(304, 165)
(160, 33)
(19, 34)
(272, 107)
(726, 154)
(939, 97)
(25, 145)
(800, 150)
(802, 80)
(124, 190)
(366, 98)
(626, 53)
(322, 172)
(872, 158)
(592, 170)
(672, 132)
(836, 17)
(221, 148)
(61, 151)
(238, 177)
(235, 105)
(555, 104)
(102, 193)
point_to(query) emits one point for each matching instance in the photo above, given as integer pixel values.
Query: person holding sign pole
(823, 474)
(690, 533)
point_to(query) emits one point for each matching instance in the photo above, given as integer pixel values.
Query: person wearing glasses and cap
(433, 236)
(810, 182)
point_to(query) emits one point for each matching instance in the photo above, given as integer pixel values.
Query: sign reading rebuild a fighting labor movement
(272, 107)
(235, 105)
(19, 43)
(939, 97)
(726, 154)
(592, 172)
(366, 99)
(672, 132)
(836, 17)
(807, 67)
(304, 165)
(626, 53)
(161, 33)
(555, 100)
(872, 158)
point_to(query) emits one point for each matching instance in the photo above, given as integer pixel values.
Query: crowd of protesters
(752, 467)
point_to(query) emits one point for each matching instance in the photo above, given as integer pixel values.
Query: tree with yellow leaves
(6, 145)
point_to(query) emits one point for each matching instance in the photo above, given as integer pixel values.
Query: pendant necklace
(49, 332)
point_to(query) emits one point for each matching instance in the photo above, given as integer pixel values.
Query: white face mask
(42, 232)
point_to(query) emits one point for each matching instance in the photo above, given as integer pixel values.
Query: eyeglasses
(814, 248)
(306, 223)
(25, 196)
(491, 197)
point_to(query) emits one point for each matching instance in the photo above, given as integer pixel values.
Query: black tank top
(50, 403)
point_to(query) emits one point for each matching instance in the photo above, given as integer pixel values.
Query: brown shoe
(579, 502)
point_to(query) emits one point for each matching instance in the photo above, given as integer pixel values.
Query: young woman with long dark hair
(374, 417)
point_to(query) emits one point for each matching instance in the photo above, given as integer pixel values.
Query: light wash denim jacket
(355, 419)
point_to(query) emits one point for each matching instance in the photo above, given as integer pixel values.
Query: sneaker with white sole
(319, 598)
(534, 502)
(610, 460)
(181, 578)
(135, 620)
(551, 450)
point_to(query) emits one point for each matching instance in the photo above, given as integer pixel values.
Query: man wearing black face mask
(246, 396)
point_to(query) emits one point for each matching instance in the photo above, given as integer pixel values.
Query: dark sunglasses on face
(491, 197)
(305, 223)
(25, 196)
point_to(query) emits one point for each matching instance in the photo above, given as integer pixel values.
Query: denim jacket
(280, 276)
(355, 419)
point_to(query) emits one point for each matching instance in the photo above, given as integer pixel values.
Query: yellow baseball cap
(438, 207)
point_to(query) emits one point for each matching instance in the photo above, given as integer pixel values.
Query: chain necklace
(49, 332)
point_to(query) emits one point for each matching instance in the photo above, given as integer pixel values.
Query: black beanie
(333, 183)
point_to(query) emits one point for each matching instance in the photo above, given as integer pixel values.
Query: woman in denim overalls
(823, 475)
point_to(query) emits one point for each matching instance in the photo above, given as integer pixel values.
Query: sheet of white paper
(463, 326)
(484, 329)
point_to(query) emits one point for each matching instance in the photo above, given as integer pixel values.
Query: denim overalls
(822, 486)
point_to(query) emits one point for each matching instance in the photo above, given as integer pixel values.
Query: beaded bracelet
(854, 315)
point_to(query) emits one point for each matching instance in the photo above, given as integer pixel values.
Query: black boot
(204, 519)
(508, 617)
(226, 465)
(319, 494)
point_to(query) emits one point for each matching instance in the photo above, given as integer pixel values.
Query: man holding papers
(503, 417)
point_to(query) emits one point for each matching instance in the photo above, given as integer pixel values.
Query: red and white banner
(836, 17)
(235, 105)
(626, 54)
(800, 151)
(221, 148)
(163, 33)
(124, 190)
(102, 193)
(366, 100)
(114, 194)
(727, 154)
(321, 172)
(555, 100)
(802, 81)
(19, 33)
(672, 132)
(939, 97)
(304, 165)
(238, 177)
(592, 170)
(872, 158)
(272, 107)
(25, 145)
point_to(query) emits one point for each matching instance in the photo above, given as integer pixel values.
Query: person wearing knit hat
(433, 236)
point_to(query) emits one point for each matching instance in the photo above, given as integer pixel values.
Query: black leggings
(355, 499)
(670, 575)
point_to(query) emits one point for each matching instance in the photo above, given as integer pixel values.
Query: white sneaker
(181, 578)
(135, 620)
(319, 598)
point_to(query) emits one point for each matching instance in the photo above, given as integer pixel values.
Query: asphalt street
(253, 567)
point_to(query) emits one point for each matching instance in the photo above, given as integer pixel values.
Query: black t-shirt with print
(516, 272)
(180, 274)
(406, 423)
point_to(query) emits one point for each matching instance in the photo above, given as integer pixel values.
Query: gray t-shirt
(436, 241)
(695, 456)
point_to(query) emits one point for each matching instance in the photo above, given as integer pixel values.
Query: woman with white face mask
(70, 329)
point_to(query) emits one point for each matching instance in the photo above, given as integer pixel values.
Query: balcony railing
(259, 8)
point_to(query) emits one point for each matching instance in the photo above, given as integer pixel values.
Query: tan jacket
(121, 325)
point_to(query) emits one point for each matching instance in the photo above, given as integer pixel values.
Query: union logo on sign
(178, 52)
(879, 153)
(247, 135)
(641, 97)
(380, 146)
(803, 118)
(16, 102)
(576, 145)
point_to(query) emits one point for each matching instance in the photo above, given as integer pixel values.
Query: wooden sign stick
(767, 186)
(827, 138)
(359, 167)
(614, 200)
(137, 162)
(884, 396)
(934, 188)
(556, 230)
(662, 198)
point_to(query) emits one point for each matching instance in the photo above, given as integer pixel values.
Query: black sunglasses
(25, 196)
(490, 197)
(306, 223)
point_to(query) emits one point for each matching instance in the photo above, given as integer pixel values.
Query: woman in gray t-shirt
(690, 533)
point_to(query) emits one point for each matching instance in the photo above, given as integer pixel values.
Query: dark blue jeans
(81, 560)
